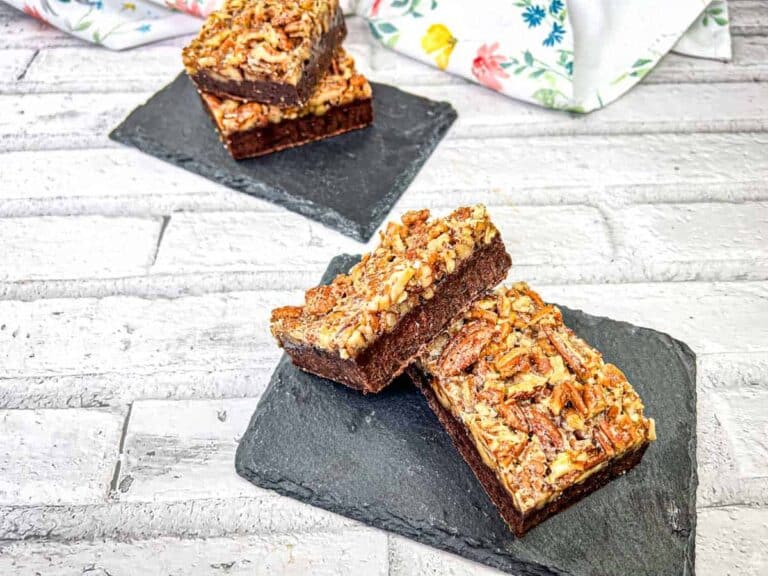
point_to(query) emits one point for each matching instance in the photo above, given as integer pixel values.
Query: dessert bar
(533, 409)
(366, 326)
(340, 103)
(270, 51)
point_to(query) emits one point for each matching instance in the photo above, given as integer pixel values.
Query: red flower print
(487, 66)
(194, 8)
(375, 8)
(34, 12)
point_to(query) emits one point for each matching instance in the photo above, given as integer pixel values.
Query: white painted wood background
(134, 298)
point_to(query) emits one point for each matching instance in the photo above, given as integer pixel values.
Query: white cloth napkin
(576, 55)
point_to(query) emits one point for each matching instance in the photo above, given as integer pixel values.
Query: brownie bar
(267, 51)
(366, 326)
(537, 415)
(340, 103)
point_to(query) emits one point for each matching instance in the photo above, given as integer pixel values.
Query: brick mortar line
(216, 202)
(117, 532)
(120, 451)
(622, 271)
(483, 132)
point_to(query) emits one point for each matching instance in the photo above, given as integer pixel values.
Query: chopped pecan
(579, 357)
(319, 300)
(512, 362)
(415, 217)
(546, 431)
(513, 416)
(465, 347)
(286, 313)
(604, 441)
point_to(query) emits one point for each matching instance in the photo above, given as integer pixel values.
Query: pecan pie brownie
(340, 103)
(366, 326)
(533, 409)
(271, 51)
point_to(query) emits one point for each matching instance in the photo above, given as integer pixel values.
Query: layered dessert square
(533, 409)
(270, 51)
(366, 326)
(340, 103)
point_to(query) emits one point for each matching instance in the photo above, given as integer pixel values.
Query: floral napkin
(526, 49)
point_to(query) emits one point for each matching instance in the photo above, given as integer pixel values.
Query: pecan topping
(531, 377)
(260, 39)
(401, 273)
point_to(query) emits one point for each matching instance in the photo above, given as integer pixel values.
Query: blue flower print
(555, 6)
(533, 16)
(555, 36)
(144, 28)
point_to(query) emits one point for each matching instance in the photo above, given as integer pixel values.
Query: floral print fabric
(116, 24)
(525, 48)
(521, 48)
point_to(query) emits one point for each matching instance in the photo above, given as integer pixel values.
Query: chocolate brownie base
(290, 133)
(519, 523)
(280, 94)
(388, 356)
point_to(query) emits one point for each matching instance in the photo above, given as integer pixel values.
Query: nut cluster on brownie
(254, 39)
(412, 257)
(542, 408)
(340, 86)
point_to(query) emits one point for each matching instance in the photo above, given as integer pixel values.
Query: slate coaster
(349, 182)
(385, 460)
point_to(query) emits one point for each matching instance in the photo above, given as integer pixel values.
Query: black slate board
(385, 460)
(349, 182)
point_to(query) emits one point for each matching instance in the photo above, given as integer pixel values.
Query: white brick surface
(58, 175)
(409, 558)
(349, 553)
(648, 108)
(81, 247)
(689, 232)
(183, 451)
(731, 542)
(135, 335)
(687, 311)
(731, 449)
(229, 241)
(652, 211)
(81, 68)
(261, 513)
(57, 457)
(13, 63)
(508, 164)
(51, 121)
(748, 17)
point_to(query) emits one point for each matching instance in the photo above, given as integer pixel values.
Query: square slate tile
(385, 460)
(349, 182)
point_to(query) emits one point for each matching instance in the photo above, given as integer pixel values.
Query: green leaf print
(386, 28)
(528, 58)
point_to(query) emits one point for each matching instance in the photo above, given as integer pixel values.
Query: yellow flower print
(128, 6)
(440, 41)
